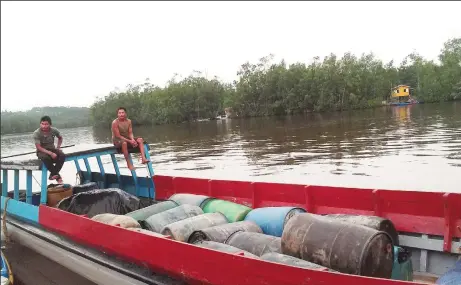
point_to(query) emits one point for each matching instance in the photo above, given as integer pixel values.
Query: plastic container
(234, 212)
(190, 199)
(272, 220)
(222, 232)
(144, 213)
(156, 222)
(181, 230)
(223, 247)
(293, 261)
(255, 243)
(57, 193)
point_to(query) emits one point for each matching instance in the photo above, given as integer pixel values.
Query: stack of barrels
(360, 245)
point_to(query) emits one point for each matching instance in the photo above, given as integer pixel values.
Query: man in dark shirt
(52, 156)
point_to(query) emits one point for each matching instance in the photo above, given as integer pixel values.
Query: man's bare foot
(54, 177)
(144, 161)
(59, 180)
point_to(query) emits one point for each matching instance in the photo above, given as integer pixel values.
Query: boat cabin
(426, 225)
(400, 91)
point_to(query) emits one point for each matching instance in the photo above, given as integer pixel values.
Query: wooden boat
(428, 225)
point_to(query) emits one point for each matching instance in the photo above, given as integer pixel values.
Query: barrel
(146, 232)
(56, 193)
(344, 247)
(190, 199)
(156, 222)
(255, 243)
(144, 213)
(293, 261)
(116, 220)
(234, 212)
(223, 247)
(222, 232)
(272, 220)
(452, 276)
(373, 222)
(181, 230)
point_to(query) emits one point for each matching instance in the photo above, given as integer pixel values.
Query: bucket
(234, 212)
(144, 213)
(190, 199)
(255, 243)
(116, 220)
(344, 247)
(373, 222)
(293, 261)
(223, 247)
(272, 220)
(57, 193)
(181, 230)
(222, 232)
(156, 222)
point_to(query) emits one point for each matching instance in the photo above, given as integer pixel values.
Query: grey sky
(67, 53)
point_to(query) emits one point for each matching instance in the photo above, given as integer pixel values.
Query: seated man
(123, 139)
(51, 156)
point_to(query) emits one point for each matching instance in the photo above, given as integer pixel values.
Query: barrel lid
(378, 256)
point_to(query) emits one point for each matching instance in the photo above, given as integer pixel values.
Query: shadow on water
(409, 147)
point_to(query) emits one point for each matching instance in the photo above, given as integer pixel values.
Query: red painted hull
(411, 211)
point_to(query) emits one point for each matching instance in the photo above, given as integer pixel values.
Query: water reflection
(408, 147)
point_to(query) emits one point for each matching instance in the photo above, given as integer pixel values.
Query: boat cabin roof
(30, 161)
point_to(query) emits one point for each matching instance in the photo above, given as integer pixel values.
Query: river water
(405, 148)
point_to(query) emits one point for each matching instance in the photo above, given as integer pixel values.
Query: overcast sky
(68, 53)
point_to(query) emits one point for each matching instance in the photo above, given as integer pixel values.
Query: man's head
(45, 123)
(121, 113)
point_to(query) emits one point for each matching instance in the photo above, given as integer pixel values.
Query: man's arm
(130, 131)
(117, 133)
(57, 133)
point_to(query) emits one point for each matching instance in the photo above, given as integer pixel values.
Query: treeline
(267, 88)
(61, 117)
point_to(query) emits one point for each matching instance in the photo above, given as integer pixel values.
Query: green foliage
(61, 117)
(266, 88)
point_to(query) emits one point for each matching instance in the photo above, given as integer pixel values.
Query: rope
(7, 237)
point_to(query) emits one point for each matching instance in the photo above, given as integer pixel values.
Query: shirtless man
(51, 156)
(123, 139)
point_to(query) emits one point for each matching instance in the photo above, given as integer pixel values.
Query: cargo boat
(428, 225)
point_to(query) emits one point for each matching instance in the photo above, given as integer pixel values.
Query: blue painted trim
(101, 170)
(29, 186)
(117, 170)
(83, 156)
(5, 183)
(44, 192)
(77, 165)
(151, 172)
(134, 176)
(16, 184)
(88, 169)
(21, 210)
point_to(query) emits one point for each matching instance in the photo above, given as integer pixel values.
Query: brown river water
(405, 148)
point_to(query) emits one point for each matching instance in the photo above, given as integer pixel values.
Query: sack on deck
(101, 201)
(117, 220)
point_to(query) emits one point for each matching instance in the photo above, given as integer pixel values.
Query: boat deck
(31, 268)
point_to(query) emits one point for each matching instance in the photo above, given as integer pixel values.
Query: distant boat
(402, 91)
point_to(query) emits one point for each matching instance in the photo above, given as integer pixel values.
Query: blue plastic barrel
(272, 219)
(452, 276)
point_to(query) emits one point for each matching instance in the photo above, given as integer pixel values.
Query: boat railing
(29, 163)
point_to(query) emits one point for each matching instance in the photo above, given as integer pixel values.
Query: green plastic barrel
(234, 212)
(144, 213)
